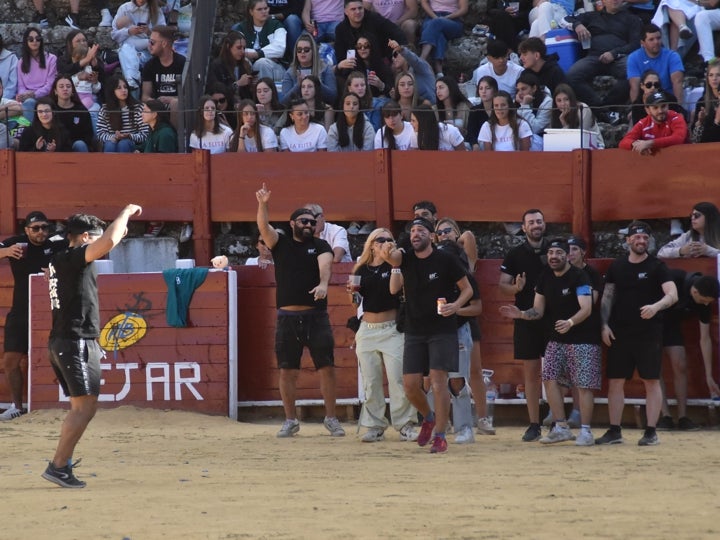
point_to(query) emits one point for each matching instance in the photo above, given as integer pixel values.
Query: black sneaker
(649, 440)
(685, 424)
(665, 424)
(532, 433)
(62, 476)
(41, 20)
(610, 437)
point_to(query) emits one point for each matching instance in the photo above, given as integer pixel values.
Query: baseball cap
(639, 227)
(422, 222)
(559, 243)
(34, 217)
(301, 212)
(657, 97)
(579, 242)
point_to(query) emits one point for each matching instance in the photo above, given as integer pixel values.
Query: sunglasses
(33, 39)
(383, 239)
(307, 221)
(362, 47)
(650, 85)
(303, 49)
(38, 228)
(696, 215)
(221, 101)
(443, 232)
(153, 41)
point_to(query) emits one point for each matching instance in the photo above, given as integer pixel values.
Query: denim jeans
(437, 32)
(125, 146)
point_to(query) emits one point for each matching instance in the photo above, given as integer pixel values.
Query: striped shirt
(131, 123)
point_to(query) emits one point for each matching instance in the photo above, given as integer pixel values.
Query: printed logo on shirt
(433, 276)
(566, 292)
(384, 275)
(312, 251)
(642, 275)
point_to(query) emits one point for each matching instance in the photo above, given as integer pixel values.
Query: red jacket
(673, 131)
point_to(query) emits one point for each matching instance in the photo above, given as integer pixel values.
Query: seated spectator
(569, 113)
(642, 9)
(504, 131)
(335, 235)
(703, 238)
(659, 129)
(649, 84)
(225, 104)
(403, 59)
(707, 111)
(507, 21)
(162, 137)
(379, 74)
(252, 136)
(302, 135)
(265, 256)
(266, 38)
(73, 18)
(289, 13)
(357, 83)
(707, 21)
(352, 131)
(404, 13)
(406, 94)
(320, 112)
(396, 134)
(271, 112)
(307, 62)
(45, 133)
(443, 22)
(12, 119)
(82, 62)
(120, 125)
(321, 18)
(72, 114)
(652, 55)
(209, 133)
(452, 105)
(487, 89)
(8, 71)
(9, 108)
(231, 69)
(434, 135)
(131, 29)
(675, 14)
(613, 34)
(87, 81)
(545, 12)
(534, 56)
(499, 67)
(162, 74)
(534, 106)
(36, 71)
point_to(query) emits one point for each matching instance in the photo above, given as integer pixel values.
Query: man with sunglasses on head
(335, 235)
(162, 74)
(303, 265)
(652, 55)
(28, 253)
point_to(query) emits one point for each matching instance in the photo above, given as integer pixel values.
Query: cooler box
(564, 140)
(565, 43)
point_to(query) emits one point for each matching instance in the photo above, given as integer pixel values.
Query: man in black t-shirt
(303, 265)
(74, 352)
(518, 273)
(436, 287)
(162, 74)
(638, 287)
(28, 253)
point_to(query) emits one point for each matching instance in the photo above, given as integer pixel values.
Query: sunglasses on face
(383, 239)
(650, 85)
(38, 228)
(307, 221)
(362, 47)
(221, 101)
(303, 49)
(443, 232)
(696, 215)
(33, 39)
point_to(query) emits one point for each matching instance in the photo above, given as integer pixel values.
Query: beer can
(440, 303)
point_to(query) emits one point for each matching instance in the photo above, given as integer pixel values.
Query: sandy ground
(159, 474)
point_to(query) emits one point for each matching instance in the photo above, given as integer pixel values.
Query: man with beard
(436, 287)
(303, 265)
(659, 129)
(518, 275)
(563, 293)
(638, 287)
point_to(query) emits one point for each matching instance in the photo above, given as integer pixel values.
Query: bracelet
(396, 271)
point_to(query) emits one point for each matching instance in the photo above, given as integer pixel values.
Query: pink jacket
(38, 80)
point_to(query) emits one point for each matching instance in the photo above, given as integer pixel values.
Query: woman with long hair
(302, 135)
(396, 134)
(504, 131)
(231, 69)
(320, 112)
(267, 38)
(703, 238)
(209, 133)
(569, 113)
(453, 107)
(649, 84)
(251, 135)
(225, 102)
(162, 137)
(534, 106)
(36, 71)
(82, 61)
(706, 127)
(120, 125)
(131, 28)
(72, 114)
(271, 112)
(45, 134)
(379, 343)
(434, 135)
(351, 131)
(487, 87)
(307, 61)
(406, 94)
(370, 61)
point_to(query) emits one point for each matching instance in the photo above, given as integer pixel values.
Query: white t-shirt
(407, 139)
(314, 139)
(336, 236)
(268, 138)
(504, 141)
(506, 81)
(217, 143)
(450, 137)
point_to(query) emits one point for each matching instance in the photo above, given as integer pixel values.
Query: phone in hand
(255, 73)
(350, 54)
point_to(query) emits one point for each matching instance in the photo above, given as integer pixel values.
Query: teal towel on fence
(181, 283)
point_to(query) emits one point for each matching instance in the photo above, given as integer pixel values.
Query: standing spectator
(320, 112)
(546, 12)
(676, 14)
(231, 69)
(162, 137)
(162, 74)
(507, 22)
(8, 71)
(659, 129)
(351, 131)
(707, 111)
(652, 55)
(703, 238)
(504, 131)
(452, 105)
(266, 38)
(251, 135)
(23, 263)
(74, 352)
(303, 265)
(289, 13)
(335, 235)
(707, 21)
(569, 113)
(300, 134)
(209, 133)
(321, 17)
(487, 88)
(443, 22)
(396, 134)
(638, 287)
(271, 112)
(534, 56)
(36, 71)
(499, 67)
(534, 106)
(120, 125)
(403, 13)
(434, 135)
(45, 133)
(307, 62)
(519, 274)
(404, 60)
(72, 114)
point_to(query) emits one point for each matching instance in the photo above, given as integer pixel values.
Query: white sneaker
(367, 228)
(11, 413)
(465, 436)
(289, 428)
(106, 18)
(332, 424)
(558, 434)
(585, 438)
(408, 433)
(485, 427)
(373, 435)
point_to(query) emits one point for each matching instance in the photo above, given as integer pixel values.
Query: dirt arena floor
(158, 474)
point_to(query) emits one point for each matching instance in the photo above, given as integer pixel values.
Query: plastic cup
(354, 282)
(24, 247)
(585, 44)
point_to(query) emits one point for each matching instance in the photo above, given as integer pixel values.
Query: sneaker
(465, 436)
(106, 19)
(610, 437)
(485, 427)
(685, 32)
(41, 20)
(408, 432)
(367, 228)
(665, 423)
(426, 432)
(558, 434)
(373, 435)
(72, 21)
(574, 419)
(548, 420)
(439, 445)
(649, 440)
(585, 438)
(354, 228)
(333, 426)
(289, 428)
(11, 413)
(153, 229)
(62, 476)
(685, 424)
(532, 433)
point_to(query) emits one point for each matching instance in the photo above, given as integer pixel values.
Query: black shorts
(76, 363)
(626, 354)
(16, 333)
(422, 353)
(475, 329)
(672, 335)
(297, 330)
(529, 340)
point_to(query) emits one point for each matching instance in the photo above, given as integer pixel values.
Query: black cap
(559, 243)
(34, 217)
(422, 222)
(658, 97)
(639, 227)
(579, 242)
(301, 211)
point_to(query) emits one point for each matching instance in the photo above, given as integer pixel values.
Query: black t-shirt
(37, 258)
(77, 123)
(686, 307)
(375, 288)
(165, 80)
(596, 281)
(636, 285)
(561, 302)
(73, 295)
(476, 294)
(297, 271)
(426, 280)
(525, 258)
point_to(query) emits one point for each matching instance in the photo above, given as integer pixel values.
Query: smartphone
(255, 73)
(350, 54)
(142, 24)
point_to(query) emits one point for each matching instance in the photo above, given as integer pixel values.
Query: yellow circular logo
(122, 331)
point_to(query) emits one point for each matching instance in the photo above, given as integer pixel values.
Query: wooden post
(581, 199)
(202, 238)
(8, 208)
(383, 189)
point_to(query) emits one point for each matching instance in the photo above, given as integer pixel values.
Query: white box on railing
(564, 140)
